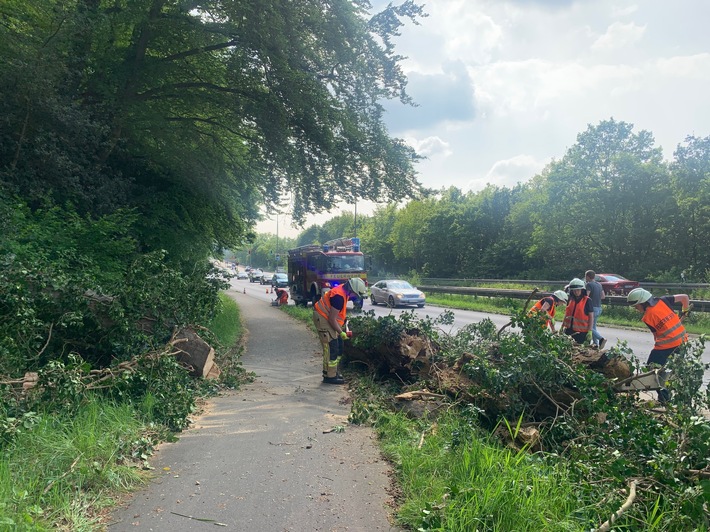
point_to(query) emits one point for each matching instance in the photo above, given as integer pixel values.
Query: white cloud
(690, 66)
(508, 172)
(619, 35)
(430, 146)
(623, 11)
(534, 87)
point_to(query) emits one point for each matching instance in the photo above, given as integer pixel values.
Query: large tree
(196, 112)
(690, 229)
(606, 200)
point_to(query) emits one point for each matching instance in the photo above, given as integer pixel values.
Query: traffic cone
(267, 290)
(245, 291)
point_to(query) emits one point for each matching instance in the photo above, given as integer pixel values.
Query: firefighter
(281, 296)
(666, 326)
(579, 315)
(329, 314)
(549, 305)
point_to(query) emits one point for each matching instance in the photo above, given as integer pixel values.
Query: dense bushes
(72, 284)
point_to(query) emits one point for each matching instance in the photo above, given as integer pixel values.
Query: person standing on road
(579, 314)
(549, 305)
(665, 324)
(596, 294)
(329, 315)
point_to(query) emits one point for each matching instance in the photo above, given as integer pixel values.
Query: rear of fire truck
(315, 269)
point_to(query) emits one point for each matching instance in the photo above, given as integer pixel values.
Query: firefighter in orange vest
(281, 296)
(329, 315)
(549, 305)
(579, 314)
(665, 324)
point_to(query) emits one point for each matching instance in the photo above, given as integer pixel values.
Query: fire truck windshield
(346, 263)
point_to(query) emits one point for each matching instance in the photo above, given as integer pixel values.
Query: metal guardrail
(466, 282)
(698, 305)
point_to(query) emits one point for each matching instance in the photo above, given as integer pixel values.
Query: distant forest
(611, 204)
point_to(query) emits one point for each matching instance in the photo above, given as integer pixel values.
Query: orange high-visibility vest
(575, 318)
(537, 307)
(668, 331)
(323, 305)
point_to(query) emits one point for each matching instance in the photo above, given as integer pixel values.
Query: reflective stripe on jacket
(575, 317)
(668, 331)
(537, 307)
(323, 305)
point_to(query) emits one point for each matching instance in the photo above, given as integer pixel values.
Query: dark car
(279, 280)
(615, 285)
(396, 292)
(255, 275)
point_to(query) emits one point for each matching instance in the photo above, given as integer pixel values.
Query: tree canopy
(197, 113)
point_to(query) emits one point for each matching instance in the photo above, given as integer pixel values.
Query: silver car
(395, 293)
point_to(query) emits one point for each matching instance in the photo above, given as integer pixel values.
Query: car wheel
(390, 302)
(372, 300)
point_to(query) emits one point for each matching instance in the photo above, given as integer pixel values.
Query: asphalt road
(266, 458)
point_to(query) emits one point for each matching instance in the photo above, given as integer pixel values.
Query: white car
(395, 293)
(242, 275)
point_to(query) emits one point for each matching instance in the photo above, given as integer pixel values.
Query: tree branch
(200, 50)
(606, 526)
(188, 85)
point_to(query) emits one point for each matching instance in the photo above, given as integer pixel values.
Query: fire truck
(315, 269)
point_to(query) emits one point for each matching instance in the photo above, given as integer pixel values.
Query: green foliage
(375, 332)
(593, 440)
(161, 390)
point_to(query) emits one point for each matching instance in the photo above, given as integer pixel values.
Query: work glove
(589, 337)
(344, 335)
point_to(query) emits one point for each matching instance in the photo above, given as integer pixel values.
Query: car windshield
(281, 277)
(346, 263)
(402, 285)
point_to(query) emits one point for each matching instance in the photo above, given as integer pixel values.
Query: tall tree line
(611, 203)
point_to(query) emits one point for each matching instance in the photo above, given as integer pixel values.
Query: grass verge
(453, 478)
(65, 470)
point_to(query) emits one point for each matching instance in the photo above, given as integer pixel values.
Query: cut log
(193, 351)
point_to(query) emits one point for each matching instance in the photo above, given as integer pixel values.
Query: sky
(504, 87)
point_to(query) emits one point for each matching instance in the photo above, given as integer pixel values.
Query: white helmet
(561, 295)
(357, 286)
(576, 284)
(638, 296)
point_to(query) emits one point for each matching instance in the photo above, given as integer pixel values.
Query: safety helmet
(638, 296)
(576, 284)
(357, 286)
(561, 295)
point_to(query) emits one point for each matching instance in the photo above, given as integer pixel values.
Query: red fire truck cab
(315, 269)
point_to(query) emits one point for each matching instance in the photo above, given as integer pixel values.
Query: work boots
(338, 379)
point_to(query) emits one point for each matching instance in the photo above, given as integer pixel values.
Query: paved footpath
(258, 460)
